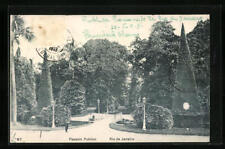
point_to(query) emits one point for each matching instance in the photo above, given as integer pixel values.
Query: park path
(99, 132)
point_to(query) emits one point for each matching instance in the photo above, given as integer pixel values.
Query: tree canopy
(25, 87)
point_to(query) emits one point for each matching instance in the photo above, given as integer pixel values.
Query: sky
(56, 30)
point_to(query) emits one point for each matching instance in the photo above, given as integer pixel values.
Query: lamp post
(107, 108)
(53, 114)
(144, 126)
(98, 105)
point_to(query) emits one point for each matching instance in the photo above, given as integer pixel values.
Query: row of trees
(25, 88)
(96, 71)
(17, 31)
(101, 69)
(154, 64)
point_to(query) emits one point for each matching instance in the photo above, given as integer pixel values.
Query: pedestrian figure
(40, 133)
(66, 126)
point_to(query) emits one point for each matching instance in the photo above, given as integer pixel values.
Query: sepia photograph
(109, 78)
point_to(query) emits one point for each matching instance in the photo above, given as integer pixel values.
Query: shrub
(62, 115)
(23, 114)
(25, 88)
(113, 106)
(157, 117)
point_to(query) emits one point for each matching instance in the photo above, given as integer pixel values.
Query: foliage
(113, 105)
(72, 95)
(172, 131)
(106, 71)
(62, 115)
(23, 113)
(59, 74)
(25, 88)
(18, 29)
(134, 91)
(37, 81)
(153, 62)
(45, 90)
(199, 43)
(99, 67)
(157, 117)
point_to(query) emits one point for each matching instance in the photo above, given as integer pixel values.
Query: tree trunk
(13, 102)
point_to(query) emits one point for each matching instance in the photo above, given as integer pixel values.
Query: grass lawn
(173, 131)
(73, 124)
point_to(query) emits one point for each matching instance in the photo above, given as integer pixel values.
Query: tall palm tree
(17, 29)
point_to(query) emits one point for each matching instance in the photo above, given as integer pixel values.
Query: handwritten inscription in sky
(128, 26)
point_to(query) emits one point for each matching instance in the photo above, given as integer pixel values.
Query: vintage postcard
(109, 78)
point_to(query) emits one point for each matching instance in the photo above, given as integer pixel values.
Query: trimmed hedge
(157, 117)
(186, 121)
(172, 131)
(62, 115)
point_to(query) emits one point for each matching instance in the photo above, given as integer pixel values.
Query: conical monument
(185, 97)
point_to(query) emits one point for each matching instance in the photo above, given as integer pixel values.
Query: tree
(60, 73)
(106, 71)
(99, 66)
(17, 30)
(72, 95)
(160, 64)
(37, 75)
(199, 43)
(45, 90)
(62, 114)
(25, 88)
(153, 61)
(136, 59)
